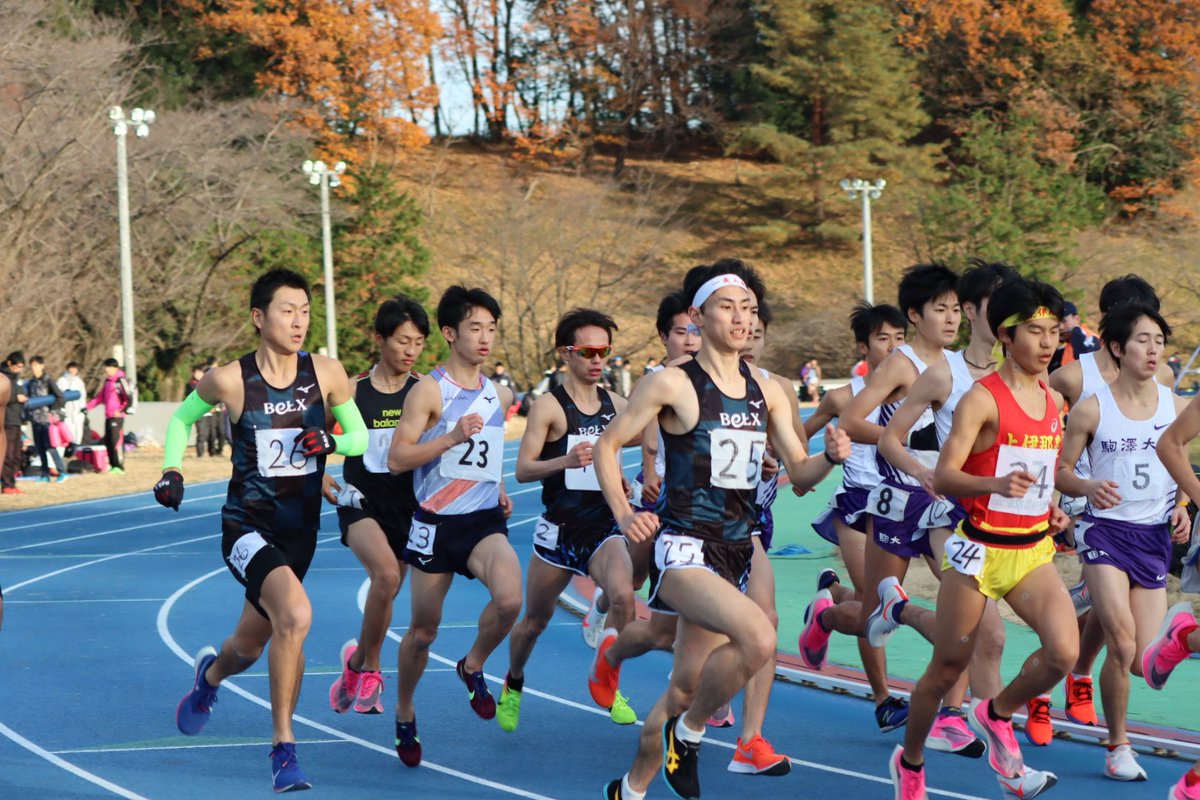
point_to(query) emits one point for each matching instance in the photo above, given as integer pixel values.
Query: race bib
(244, 549)
(379, 441)
(1040, 464)
(674, 550)
(582, 479)
(545, 534)
(937, 515)
(736, 458)
(964, 555)
(480, 458)
(279, 455)
(888, 502)
(421, 537)
(1140, 478)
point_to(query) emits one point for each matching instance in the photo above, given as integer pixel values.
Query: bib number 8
(888, 502)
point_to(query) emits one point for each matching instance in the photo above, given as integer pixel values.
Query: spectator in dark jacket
(45, 399)
(14, 410)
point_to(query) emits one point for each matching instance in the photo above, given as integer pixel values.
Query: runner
(1002, 449)
(715, 417)
(277, 398)
(577, 535)
(452, 437)
(1124, 536)
(878, 330)
(375, 508)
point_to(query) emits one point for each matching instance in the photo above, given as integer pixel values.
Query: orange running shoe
(1080, 706)
(1039, 728)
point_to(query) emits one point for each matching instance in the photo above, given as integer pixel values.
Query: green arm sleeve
(352, 441)
(192, 409)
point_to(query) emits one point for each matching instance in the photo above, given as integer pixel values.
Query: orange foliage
(1149, 40)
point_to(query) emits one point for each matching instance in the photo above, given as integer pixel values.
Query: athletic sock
(992, 715)
(910, 767)
(1112, 747)
(898, 609)
(514, 684)
(686, 734)
(628, 793)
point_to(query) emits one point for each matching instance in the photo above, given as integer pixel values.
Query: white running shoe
(593, 620)
(1029, 784)
(1081, 598)
(883, 621)
(1121, 765)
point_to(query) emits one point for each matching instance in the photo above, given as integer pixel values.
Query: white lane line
(85, 600)
(198, 746)
(172, 520)
(164, 633)
(80, 772)
(89, 517)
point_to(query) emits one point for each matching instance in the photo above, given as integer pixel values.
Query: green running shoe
(508, 711)
(620, 712)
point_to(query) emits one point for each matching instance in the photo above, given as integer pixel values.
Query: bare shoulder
(1064, 378)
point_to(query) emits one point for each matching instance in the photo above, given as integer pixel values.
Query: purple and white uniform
(860, 474)
(1133, 536)
(1093, 382)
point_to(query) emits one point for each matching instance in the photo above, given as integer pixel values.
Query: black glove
(169, 490)
(315, 441)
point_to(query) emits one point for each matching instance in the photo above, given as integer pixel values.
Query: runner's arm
(1068, 381)
(896, 372)
(530, 465)
(974, 412)
(933, 386)
(212, 389)
(1173, 448)
(352, 441)
(803, 470)
(829, 409)
(1081, 427)
(421, 409)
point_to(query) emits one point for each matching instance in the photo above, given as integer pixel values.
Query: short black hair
(765, 315)
(37, 360)
(576, 318)
(670, 307)
(981, 278)
(1118, 324)
(72, 365)
(1128, 289)
(397, 311)
(18, 357)
(200, 368)
(866, 320)
(924, 283)
(1021, 298)
(110, 362)
(263, 290)
(457, 302)
(698, 276)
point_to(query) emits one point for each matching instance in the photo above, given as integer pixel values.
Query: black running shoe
(827, 578)
(680, 763)
(408, 746)
(612, 790)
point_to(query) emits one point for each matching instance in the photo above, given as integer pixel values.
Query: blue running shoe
(286, 775)
(891, 714)
(196, 706)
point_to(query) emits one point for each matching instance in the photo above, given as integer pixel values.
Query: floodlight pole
(868, 192)
(324, 176)
(140, 119)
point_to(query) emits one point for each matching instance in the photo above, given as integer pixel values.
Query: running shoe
(612, 789)
(723, 718)
(62, 476)
(345, 689)
(115, 471)
(621, 713)
(508, 711)
(603, 680)
(757, 757)
(814, 639)
(1029, 784)
(1165, 652)
(1004, 754)
(1081, 707)
(1081, 598)
(482, 702)
(369, 699)
(891, 714)
(909, 784)
(593, 620)
(196, 706)
(1181, 790)
(1120, 764)
(885, 619)
(1039, 728)
(827, 578)
(408, 744)
(286, 775)
(680, 762)
(950, 734)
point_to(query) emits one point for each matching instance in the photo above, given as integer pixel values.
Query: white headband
(713, 284)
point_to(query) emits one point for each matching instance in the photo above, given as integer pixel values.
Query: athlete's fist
(639, 526)
(1103, 494)
(1015, 484)
(1181, 526)
(837, 444)
(1058, 521)
(468, 425)
(770, 466)
(580, 456)
(169, 489)
(314, 441)
(651, 486)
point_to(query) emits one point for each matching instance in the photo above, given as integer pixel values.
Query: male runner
(375, 507)
(577, 535)
(277, 398)
(878, 330)
(998, 462)
(715, 417)
(1124, 536)
(452, 437)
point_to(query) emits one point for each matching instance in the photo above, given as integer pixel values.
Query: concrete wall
(149, 423)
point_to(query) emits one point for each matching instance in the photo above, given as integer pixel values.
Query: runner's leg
(369, 543)
(428, 593)
(287, 606)
(1042, 601)
(761, 589)
(496, 565)
(543, 584)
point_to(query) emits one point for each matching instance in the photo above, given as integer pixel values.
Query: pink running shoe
(368, 699)
(950, 734)
(814, 640)
(1004, 754)
(1181, 791)
(909, 785)
(723, 718)
(1164, 652)
(345, 688)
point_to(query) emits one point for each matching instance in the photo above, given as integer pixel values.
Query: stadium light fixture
(140, 120)
(325, 176)
(867, 191)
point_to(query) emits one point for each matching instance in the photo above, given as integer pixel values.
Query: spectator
(651, 366)
(116, 395)
(805, 395)
(558, 375)
(500, 376)
(1074, 339)
(624, 377)
(74, 411)
(1176, 365)
(814, 380)
(41, 409)
(13, 366)
(207, 425)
